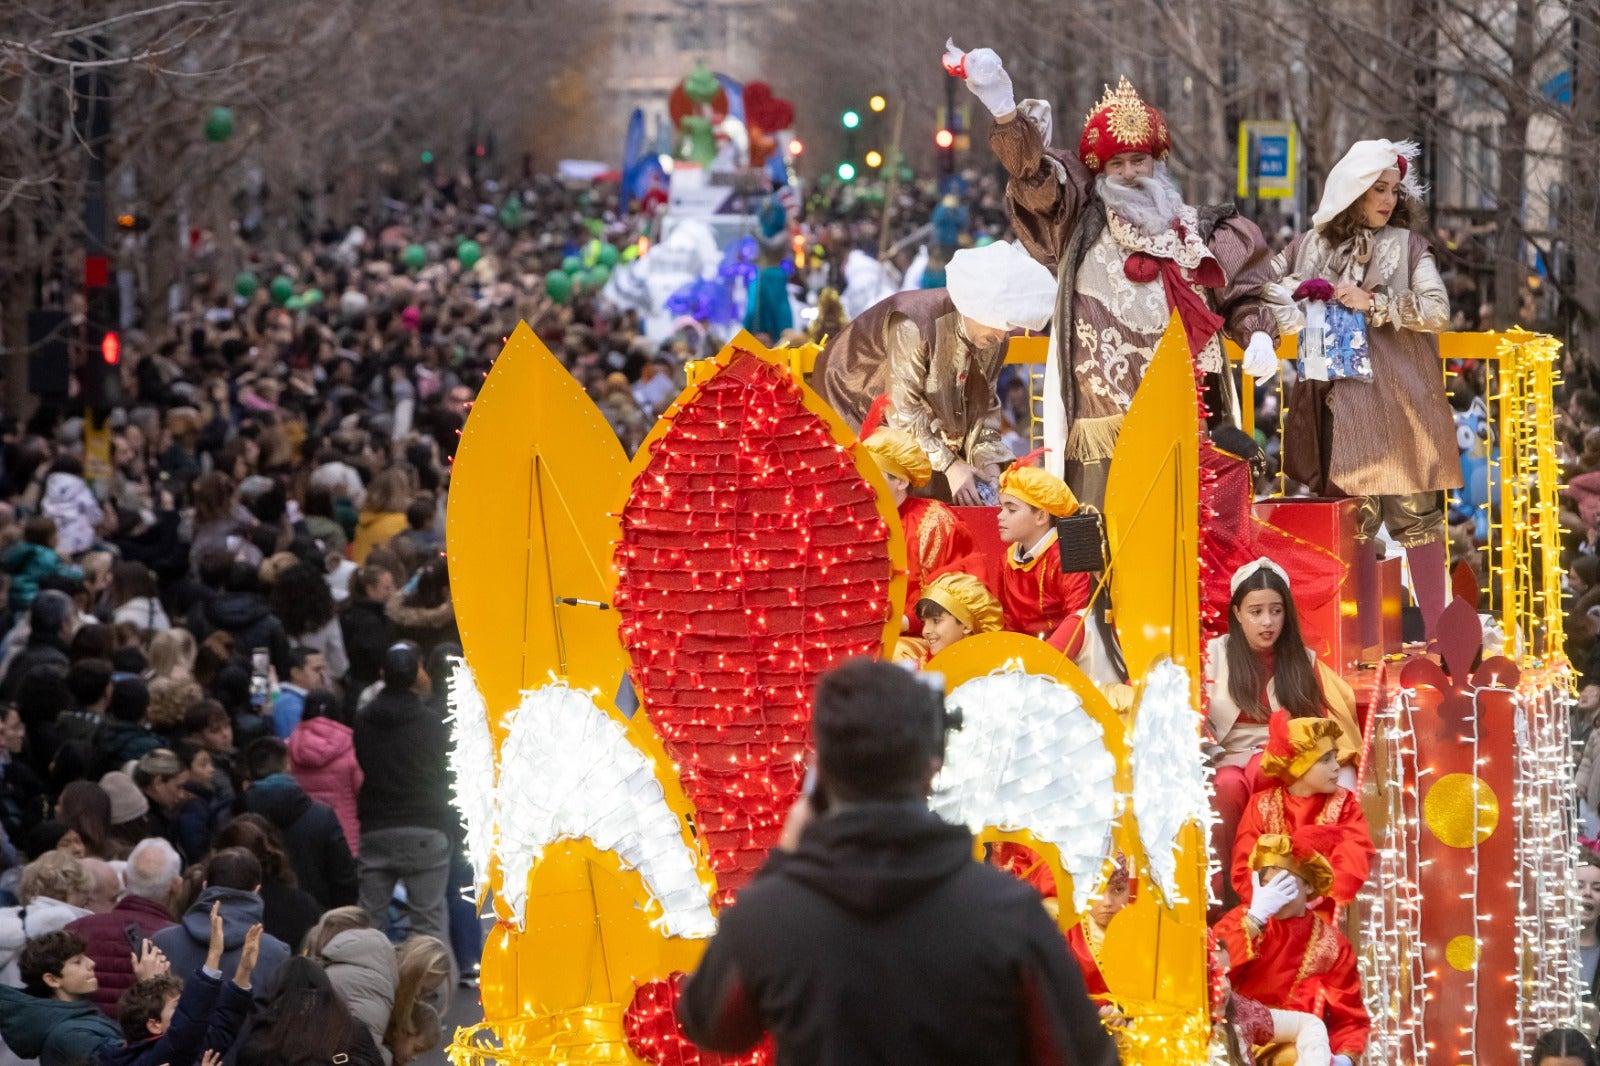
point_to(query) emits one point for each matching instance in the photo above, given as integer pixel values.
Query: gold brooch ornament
(1127, 117)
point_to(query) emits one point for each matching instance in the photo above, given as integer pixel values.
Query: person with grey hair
(51, 621)
(154, 877)
(53, 890)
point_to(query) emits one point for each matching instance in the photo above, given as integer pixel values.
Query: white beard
(1151, 204)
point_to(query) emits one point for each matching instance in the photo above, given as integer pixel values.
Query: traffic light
(133, 223)
(851, 119)
(98, 382)
(877, 103)
(795, 147)
(874, 158)
(847, 171)
(945, 140)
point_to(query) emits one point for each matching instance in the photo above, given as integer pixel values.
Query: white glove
(1260, 358)
(1270, 898)
(1342, 1060)
(984, 75)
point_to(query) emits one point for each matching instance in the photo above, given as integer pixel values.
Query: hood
(235, 610)
(874, 858)
(278, 798)
(26, 1021)
(410, 617)
(318, 742)
(368, 520)
(240, 910)
(364, 949)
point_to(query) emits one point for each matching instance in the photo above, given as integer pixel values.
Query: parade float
(751, 544)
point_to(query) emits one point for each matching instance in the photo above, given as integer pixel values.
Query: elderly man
(1128, 252)
(154, 876)
(937, 353)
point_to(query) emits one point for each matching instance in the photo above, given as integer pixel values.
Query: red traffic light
(111, 348)
(944, 139)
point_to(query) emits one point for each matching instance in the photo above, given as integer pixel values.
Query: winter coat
(428, 626)
(69, 500)
(313, 837)
(28, 564)
(322, 757)
(21, 923)
(361, 964)
(187, 827)
(366, 637)
(118, 742)
(329, 532)
(145, 612)
(209, 1015)
(251, 623)
(402, 743)
(45, 650)
(965, 965)
(56, 1032)
(106, 939)
(287, 912)
(185, 944)
(329, 640)
(373, 529)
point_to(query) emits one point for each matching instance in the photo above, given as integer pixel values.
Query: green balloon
(246, 284)
(294, 303)
(630, 253)
(595, 278)
(983, 241)
(698, 142)
(609, 255)
(468, 253)
(281, 289)
(558, 286)
(414, 257)
(219, 125)
(571, 265)
(311, 296)
(511, 214)
(591, 253)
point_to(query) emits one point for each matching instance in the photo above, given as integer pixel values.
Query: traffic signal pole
(100, 345)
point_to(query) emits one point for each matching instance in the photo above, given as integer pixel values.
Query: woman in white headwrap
(1389, 440)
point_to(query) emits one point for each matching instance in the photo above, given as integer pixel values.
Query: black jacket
(881, 941)
(322, 861)
(252, 624)
(364, 624)
(41, 650)
(401, 744)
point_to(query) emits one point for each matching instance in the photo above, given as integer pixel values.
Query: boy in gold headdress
(1039, 598)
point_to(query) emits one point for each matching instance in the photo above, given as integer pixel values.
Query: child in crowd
(1039, 598)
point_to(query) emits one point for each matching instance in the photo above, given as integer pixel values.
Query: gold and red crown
(1122, 122)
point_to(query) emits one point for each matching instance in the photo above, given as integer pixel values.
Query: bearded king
(1127, 252)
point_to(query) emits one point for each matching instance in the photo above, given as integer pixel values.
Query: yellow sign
(1267, 159)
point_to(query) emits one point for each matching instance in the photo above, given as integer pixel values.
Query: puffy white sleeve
(1306, 1032)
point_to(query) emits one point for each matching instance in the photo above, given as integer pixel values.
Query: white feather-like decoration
(472, 768)
(1029, 756)
(568, 772)
(1171, 782)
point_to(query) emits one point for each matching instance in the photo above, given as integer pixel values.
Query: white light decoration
(1029, 756)
(472, 768)
(1547, 902)
(1171, 782)
(1390, 904)
(569, 772)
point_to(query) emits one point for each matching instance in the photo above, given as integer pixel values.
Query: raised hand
(149, 962)
(248, 954)
(985, 76)
(216, 947)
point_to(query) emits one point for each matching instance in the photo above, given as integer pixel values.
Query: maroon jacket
(108, 944)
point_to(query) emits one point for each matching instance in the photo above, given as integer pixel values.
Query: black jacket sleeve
(181, 1042)
(717, 1009)
(1061, 1023)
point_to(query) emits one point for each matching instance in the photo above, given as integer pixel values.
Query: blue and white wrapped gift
(1333, 345)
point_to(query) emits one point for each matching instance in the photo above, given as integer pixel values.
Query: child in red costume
(935, 537)
(1288, 959)
(1302, 754)
(1084, 939)
(1039, 599)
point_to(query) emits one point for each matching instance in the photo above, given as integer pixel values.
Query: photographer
(872, 935)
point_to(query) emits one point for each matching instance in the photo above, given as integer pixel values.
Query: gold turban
(966, 598)
(1295, 744)
(1037, 487)
(899, 455)
(1276, 850)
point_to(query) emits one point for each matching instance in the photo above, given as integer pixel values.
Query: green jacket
(56, 1032)
(28, 564)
